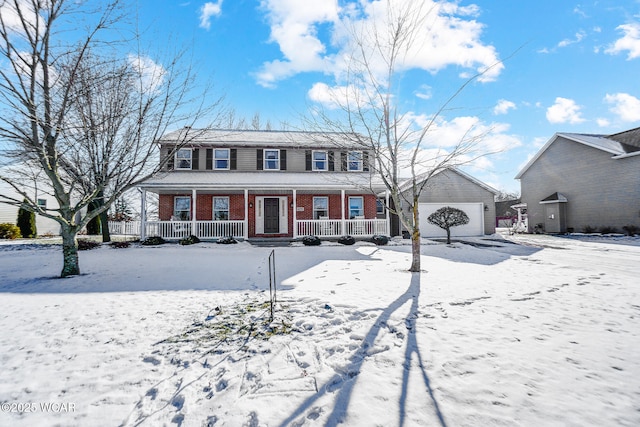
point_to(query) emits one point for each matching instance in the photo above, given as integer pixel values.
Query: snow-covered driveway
(545, 332)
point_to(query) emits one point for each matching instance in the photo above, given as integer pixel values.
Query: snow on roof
(619, 145)
(263, 180)
(250, 138)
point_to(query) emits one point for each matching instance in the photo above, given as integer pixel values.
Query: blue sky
(568, 66)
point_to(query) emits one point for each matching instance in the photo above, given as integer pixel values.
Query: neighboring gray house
(580, 180)
(452, 187)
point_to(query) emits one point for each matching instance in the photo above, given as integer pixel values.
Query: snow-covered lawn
(542, 332)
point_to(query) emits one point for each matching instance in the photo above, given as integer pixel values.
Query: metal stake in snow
(272, 281)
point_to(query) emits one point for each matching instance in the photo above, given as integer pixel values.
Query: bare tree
(78, 114)
(367, 110)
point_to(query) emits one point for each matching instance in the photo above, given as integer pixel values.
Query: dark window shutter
(331, 161)
(260, 161)
(283, 160)
(233, 159)
(171, 159)
(195, 159)
(307, 160)
(365, 161)
(343, 161)
(209, 165)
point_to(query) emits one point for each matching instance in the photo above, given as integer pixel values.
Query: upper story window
(320, 160)
(354, 161)
(221, 158)
(42, 203)
(320, 207)
(183, 158)
(271, 159)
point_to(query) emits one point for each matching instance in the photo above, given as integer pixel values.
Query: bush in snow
(380, 240)
(9, 231)
(189, 240)
(153, 240)
(229, 240)
(447, 217)
(311, 241)
(27, 222)
(120, 245)
(346, 240)
(631, 229)
(588, 229)
(86, 245)
(608, 230)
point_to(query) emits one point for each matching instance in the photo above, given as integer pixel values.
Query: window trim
(314, 210)
(177, 159)
(213, 208)
(360, 162)
(326, 160)
(227, 159)
(42, 205)
(361, 208)
(175, 202)
(265, 160)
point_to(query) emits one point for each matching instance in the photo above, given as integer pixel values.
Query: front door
(271, 215)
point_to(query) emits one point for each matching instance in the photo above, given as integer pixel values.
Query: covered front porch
(211, 214)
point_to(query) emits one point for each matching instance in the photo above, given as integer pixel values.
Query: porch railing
(334, 227)
(203, 229)
(124, 227)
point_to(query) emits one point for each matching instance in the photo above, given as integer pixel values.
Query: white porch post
(245, 232)
(387, 213)
(343, 224)
(143, 214)
(195, 209)
(295, 214)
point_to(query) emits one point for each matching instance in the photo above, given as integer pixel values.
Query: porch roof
(276, 180)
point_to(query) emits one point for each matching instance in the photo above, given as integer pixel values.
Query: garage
(475, 227)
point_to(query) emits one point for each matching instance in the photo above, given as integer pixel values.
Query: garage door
(475, 212)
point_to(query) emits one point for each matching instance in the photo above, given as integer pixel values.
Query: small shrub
(27, 222)
(631, 229)
(189, 240)
(87, 245)
(380, 240)
(588, 229)
(120, 245)
(608, 230)
(229, 240)
(153, 240)
(346, 240)
(9, 231)
(311, 241)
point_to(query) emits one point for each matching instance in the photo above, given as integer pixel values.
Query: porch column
(143, 214)
(245, 231)
(295, 214)
(343, 224)
(387, 213)
(194, 198)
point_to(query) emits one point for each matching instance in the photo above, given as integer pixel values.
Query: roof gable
(407, 184)
(622, 144)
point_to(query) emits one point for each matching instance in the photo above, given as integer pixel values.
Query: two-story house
(577, 181)
(258, 184)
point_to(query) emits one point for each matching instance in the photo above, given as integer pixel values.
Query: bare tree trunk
(70, 267)
(415, 239)
(448, 236)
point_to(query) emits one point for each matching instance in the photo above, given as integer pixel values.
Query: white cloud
(424, 92)
(151, 73)
(603, 123)
(451, 37)
(629, 42)
(625, 106)
(503, 107)
(578, 38)
(209, 10)
(564, 111)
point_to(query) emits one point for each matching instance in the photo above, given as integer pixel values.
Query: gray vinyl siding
(450, 187)
(601, 191)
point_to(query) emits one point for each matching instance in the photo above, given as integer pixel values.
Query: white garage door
(475, 212)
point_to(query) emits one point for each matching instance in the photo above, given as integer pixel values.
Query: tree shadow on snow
(344, 384)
